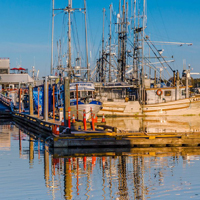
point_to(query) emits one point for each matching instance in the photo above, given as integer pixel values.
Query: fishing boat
(82, 96)
(129, 83)
(86, 99)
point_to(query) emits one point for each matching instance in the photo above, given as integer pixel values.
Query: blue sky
(25, 35)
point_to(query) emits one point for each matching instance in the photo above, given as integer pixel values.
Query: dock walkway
(103, 136)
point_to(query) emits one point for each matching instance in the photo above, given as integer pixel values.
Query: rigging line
(158, 52)
(156, 55)
(77, 35)
(74, 38)
(63, 28)
(155, 68)
(163, 22)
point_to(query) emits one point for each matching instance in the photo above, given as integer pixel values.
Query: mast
(52, 33)
(119, 42)
(143, 28)
(110, 38)
(102, 63)
(86, 43)
(69, 39)
(123, 57)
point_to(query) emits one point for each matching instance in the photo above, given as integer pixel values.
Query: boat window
(84, 93)
(168, 93)
(71, 95)
(183, 92)
(90, 93)
(79, 94)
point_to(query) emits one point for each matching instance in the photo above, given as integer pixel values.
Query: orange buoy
(103, 119)
(159, 92)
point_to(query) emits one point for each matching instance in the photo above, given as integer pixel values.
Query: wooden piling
(77, 102)
(54, 103)
(20, 94)
(69, 117)
(30, 100)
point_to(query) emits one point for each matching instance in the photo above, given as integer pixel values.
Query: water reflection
(138, 173)
(157, 124)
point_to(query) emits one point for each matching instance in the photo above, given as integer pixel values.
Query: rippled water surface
(30, 170)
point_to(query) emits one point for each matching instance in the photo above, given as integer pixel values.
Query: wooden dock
(102, 137)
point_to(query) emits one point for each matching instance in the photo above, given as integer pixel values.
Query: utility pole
(52, 33)
(110, 38)
(86, 43)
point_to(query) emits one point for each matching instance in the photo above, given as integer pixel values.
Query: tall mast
(119, 42)
(110, 38)
(143, 27)
(52, 33)
(135, 69)
(86, 43)
(102, 63)
(69, 39)
(123, 57)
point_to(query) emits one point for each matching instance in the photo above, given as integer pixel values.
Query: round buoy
(159, 92)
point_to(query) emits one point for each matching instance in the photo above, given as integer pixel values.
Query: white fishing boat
(139, 87)
(86, 99)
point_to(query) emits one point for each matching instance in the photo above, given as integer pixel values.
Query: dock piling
(54, 103)
(30, 100)
(69, 117)
(20, 95)
(77, 102)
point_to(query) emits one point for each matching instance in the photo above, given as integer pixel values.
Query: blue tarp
(41, 98)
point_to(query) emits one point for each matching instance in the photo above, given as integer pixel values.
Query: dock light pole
(66, 100)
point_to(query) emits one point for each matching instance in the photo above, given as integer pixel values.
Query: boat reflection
(157, 124)
(105, 173)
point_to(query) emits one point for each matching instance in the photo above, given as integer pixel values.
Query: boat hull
(190, 106)
(95, 107)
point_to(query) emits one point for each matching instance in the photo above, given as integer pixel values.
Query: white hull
(87, 108)
(182, 107)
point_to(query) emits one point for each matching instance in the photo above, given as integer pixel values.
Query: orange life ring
(159, 92)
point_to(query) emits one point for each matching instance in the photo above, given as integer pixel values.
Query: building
(4, 65)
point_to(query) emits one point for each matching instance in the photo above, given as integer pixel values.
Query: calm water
(29, 170)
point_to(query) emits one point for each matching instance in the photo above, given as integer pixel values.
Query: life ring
(159, 92)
